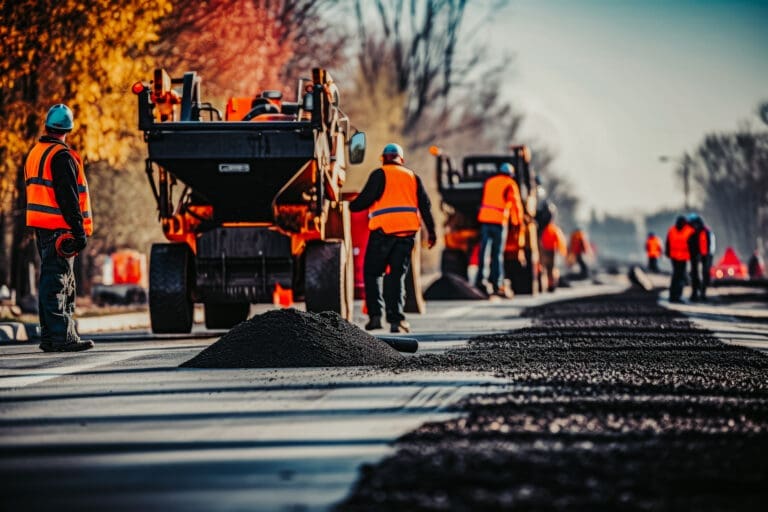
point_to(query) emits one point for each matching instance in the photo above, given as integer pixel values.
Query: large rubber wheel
(327, 282)
(455, 262)
(171, 277)
(225, 315)
(522, 277)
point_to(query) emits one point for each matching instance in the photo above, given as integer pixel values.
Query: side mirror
(357, 148)
(308, 102)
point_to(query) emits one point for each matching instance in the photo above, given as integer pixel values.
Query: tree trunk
(23, 246)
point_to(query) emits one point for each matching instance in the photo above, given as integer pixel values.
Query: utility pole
(685, 164)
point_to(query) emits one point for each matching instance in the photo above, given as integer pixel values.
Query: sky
(611, 85)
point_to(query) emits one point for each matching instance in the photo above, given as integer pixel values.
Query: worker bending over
(397, 203)
(501, 206)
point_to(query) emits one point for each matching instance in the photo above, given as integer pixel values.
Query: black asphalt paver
(615, 403)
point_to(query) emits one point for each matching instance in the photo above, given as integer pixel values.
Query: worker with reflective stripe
(653, 249)
(578, 249)
(397, 204)
(701, 246)
(500, 206)
(59, 209)
(677, 251)
(552, 242)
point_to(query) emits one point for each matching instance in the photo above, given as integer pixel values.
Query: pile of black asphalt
(452, 287)
(615, 403)
(288, 338)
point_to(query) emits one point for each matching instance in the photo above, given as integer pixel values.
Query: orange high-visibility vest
(677, 243)
(553, 238)
(501, 201)
(397, 210)
(42, 208)
(578, 243)
(653, 247)
(703, 242)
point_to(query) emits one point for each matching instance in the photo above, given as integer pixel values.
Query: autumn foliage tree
(242, 47)
(85, 53)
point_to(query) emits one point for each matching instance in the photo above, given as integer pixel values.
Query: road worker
(59, 209)
(678, 252)
(500, 207)
(578, 250)
(397, 204)
(701, 246)
(653, 249)
(552, 242)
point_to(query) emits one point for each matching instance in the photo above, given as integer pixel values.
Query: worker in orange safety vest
(653, 249)
(677, 250)
(59, 209)
(701, 246)
(500, 207)
(397, 204)
(578, 249)
(552, 242)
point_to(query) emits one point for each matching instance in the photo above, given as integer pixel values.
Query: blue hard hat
(59, 118)
(507, 168)
(393, 149)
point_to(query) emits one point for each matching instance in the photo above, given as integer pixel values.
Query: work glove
(432, 240)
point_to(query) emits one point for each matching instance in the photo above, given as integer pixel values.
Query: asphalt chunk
(614, 403)
(288, 338)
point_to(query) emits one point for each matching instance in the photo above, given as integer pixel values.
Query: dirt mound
(288, 338)
(452, 287)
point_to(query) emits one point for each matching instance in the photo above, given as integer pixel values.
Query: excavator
(249, 199)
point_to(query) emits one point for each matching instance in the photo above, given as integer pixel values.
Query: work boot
(374, 322)
(401, 326)
(502, 292)
(73, 346)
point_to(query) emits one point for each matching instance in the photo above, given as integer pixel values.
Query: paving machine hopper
(461, 191)
(250, 200)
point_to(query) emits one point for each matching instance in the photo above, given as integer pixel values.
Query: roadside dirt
(288, 338)
(614, 403)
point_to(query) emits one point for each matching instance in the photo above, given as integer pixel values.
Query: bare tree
(731, 172)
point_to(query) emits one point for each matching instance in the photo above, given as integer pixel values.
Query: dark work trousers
(695, 276)
(700, 268)
(653, 264)
(677, 282)
(386, 250)
(706, 267)
(494, 235)
(583, 269)
(56, 292)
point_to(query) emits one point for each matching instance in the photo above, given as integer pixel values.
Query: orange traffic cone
(282, 297)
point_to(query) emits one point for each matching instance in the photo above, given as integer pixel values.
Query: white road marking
(455, 312)
(12, 378)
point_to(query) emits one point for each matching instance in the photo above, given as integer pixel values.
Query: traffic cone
(282, 297)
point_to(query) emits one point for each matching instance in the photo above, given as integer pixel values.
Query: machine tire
(522, 277)
(225, 315)
(454, 262)
(171, 274)
(327, 285)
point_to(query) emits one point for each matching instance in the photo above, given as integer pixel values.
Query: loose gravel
(288, 338)
(614, 403)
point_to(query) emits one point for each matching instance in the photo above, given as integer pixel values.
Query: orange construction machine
(461, 191)
(250, 201)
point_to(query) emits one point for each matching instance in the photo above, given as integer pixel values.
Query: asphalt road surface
(121, 427)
